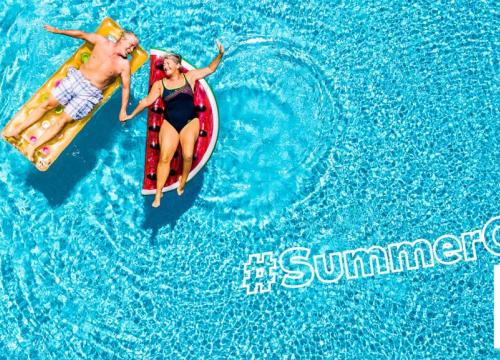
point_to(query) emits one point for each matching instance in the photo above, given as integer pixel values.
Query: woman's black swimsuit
(179, 105)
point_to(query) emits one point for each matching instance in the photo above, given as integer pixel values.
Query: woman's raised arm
(198, 74)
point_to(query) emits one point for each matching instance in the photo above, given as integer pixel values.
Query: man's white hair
(129, 34)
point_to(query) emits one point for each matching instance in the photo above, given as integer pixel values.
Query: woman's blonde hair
(177, 58)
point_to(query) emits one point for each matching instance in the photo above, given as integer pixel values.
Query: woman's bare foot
(180, 188)
(157, 199)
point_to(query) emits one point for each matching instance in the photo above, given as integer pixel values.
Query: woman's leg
(169, 139)
(188, 136)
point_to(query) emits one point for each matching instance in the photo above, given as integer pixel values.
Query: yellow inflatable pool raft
(46, 154)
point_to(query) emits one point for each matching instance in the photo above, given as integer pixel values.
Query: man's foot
(30, 151)
(157, 199)
(10, 134)
(180, 188)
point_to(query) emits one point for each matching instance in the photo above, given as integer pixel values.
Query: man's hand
(52, 29)
(123, 116)
(221, 48)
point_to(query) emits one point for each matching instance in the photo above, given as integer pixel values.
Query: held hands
(124, 117)
(51, 29)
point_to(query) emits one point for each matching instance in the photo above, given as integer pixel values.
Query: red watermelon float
(208, 114)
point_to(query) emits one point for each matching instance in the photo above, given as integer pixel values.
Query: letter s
(298, 271)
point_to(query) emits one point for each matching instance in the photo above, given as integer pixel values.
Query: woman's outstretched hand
(221, 48)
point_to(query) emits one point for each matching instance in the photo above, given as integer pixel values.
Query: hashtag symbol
(259, 273)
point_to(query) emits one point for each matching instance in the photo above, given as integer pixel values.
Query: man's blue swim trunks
(77, 94)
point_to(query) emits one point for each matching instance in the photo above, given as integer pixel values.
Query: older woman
(181, 121)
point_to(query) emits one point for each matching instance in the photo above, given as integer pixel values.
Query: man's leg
(47, 135)
(33, 117)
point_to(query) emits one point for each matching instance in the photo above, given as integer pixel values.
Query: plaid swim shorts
(77, 94)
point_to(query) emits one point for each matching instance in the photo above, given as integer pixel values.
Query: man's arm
(125, 75)
(78, 34)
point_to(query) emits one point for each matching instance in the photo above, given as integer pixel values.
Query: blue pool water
(343, 124)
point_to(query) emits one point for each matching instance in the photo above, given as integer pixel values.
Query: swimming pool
(343, 124)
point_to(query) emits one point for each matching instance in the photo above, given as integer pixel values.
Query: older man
(82, 89)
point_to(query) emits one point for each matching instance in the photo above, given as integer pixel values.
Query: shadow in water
(172, 206)
(80, 157)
